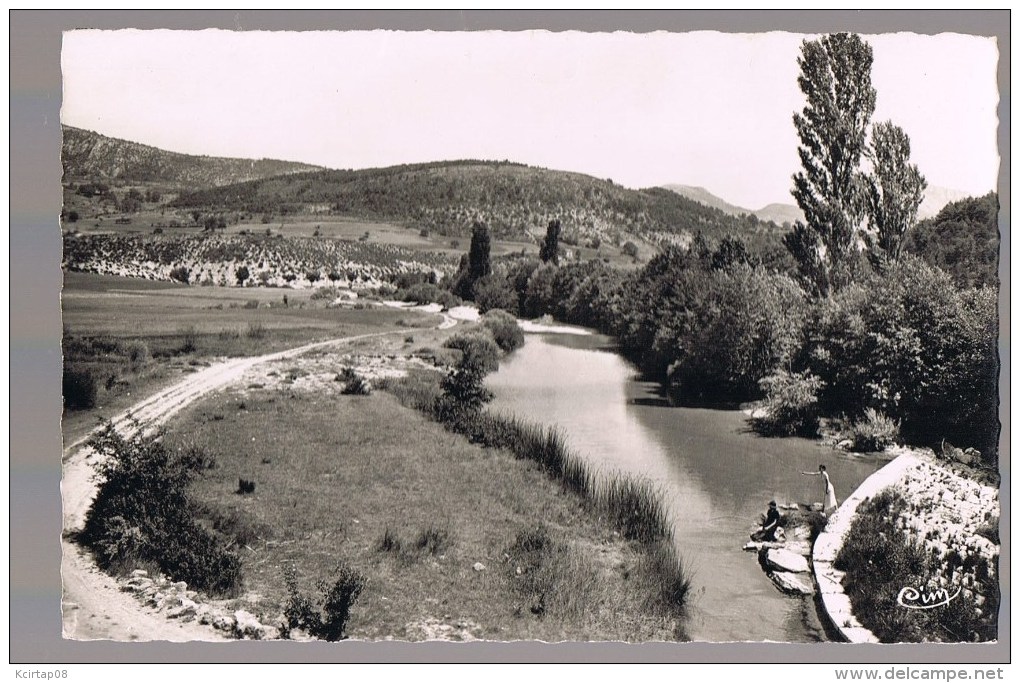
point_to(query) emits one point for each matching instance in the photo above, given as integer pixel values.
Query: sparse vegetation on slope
(446, 197)
(89, 155)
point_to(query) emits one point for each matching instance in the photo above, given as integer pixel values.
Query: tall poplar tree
(835, 77)
(895, 191)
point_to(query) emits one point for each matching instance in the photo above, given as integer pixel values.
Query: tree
(242, 274)
(474, 265)
(895, 191)
(835, 77)
(479, 261)
(551, 244)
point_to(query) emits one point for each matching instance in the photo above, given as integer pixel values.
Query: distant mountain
(935, 198)
(514, 200)
(87, 155)
(777, 213)
(780, 213)
(703, 196)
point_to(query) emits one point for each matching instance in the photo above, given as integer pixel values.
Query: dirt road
(93, 606)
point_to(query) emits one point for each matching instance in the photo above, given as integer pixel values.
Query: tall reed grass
(634, 506)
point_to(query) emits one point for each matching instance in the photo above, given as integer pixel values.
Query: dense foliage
(898, 353)
(142, 515)
(963, 240)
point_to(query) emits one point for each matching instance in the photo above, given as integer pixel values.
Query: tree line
(864, 330)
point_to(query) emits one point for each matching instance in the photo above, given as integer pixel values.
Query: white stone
(784, 560)
(793, 583)
(478, 567)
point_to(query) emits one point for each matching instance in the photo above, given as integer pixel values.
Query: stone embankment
(946, 510)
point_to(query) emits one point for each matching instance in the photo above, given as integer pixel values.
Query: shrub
(180, 274)
(504, 328)
(354, 384)
(245, 486)
(912, 345)
(325, 293)
(790, 406)
(872, 433)
(329, 621)
(138, 352)
(142, 514)
(81, 389)
(880, 559)
(478, 352)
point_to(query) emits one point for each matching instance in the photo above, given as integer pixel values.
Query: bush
(180, 274)
(138, 352)
(478, 352)
(873, 433)
(325, 293)
(142, 514)
(244, 486)
(81, 389)
(504, 328)
(434, 540)
(329, 621)
(790, 406)
(390, 542)
(354, 384)
(913, 346)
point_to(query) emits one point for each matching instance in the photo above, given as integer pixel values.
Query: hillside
(774, 213)
(446, 197)
(93, 157)
(963, 240)
(247, 260)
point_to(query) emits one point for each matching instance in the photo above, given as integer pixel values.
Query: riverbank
(951, 518)
(456, 541)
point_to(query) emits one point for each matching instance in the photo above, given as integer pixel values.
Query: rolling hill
(89, 156)
(446, 197)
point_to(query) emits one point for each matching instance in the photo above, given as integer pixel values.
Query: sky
(701, 108)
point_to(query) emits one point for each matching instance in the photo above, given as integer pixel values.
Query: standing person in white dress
(829, 495)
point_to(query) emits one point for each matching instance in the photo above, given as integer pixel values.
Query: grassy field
(414, 508)
(137, 336)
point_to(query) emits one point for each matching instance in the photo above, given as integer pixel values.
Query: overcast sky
(704, 108)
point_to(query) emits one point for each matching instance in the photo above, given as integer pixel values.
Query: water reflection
(716, 475)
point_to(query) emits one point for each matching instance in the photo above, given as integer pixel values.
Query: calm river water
(718, 477)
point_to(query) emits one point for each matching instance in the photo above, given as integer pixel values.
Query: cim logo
(912, 598)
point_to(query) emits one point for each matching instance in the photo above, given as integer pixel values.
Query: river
(717, 476)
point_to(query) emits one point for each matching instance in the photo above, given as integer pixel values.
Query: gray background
(35, 279)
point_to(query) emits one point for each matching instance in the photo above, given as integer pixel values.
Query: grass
(136, 336)
(338, 487)
(633, 507)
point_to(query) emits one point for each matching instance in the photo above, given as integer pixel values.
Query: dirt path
(93, 606)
